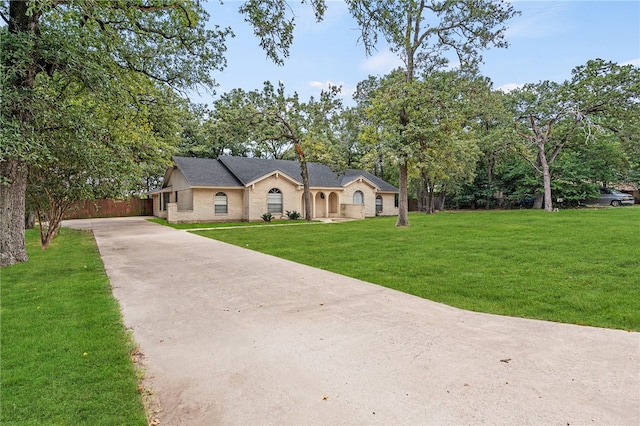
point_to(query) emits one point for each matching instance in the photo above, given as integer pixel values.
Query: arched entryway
(321, 205)
(333, 205)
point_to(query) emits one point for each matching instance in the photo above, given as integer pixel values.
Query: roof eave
(216, 187)
(362, 179)
(278, 174)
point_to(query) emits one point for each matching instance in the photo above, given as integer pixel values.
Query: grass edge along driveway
(575, 266)
(66, 355)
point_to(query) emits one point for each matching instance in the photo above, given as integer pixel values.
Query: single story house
(243, 189)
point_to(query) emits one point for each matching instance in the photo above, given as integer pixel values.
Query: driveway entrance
(231, 336)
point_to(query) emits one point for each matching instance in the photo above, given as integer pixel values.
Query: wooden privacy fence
(110, 208)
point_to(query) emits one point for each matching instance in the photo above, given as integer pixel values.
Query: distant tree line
(93, 105)
(467, 145)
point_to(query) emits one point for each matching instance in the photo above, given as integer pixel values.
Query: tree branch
(558, 148)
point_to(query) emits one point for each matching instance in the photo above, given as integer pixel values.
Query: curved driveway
(231, 336)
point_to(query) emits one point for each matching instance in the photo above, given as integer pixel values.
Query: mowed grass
(66, 356)
(274, 222)
(574, 266)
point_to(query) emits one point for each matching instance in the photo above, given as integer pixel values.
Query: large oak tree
(548, 115)
(423, 33)
(95, 42)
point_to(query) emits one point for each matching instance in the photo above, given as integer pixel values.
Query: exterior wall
(177, 181)
(193, 205)
(257, 197)
(368, 193)
(203, 207)
(185, 199)
(171, 217)
(352, 211)
(157, 200)
(320, 204)
(157, 206)
(388, 205)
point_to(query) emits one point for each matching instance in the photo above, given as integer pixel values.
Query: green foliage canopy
(423, 33)
(102, 46)
(601, 98)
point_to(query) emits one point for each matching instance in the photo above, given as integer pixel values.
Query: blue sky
(547, 41)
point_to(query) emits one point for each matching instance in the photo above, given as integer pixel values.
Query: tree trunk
(50, 220)
(538, 201)
(403, 198)
(490, 165)
(442, 201)
(12, 202)
(431, 204)
(403, 178)
(13, 171)
(304, 171)
(30, 220)
(307, 192)
(546, 179)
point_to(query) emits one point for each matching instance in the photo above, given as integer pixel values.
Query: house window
(220, 202)
(396, 200)
(358, 197)
(166, 196)
(379, 204)
(274, 201)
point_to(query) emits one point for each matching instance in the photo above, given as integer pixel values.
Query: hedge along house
(243, 189)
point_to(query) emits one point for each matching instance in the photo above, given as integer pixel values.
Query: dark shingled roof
(206, 172)
(352, 174)
(248, 170)
(227, 171)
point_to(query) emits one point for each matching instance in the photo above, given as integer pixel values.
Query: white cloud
(506, 88)
(324, 85)
(346, 90)
(634, 62)
(381, 63)
(320, 85)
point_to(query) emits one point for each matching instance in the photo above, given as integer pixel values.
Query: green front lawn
(575, 266)
(66, 356)
(228, 224)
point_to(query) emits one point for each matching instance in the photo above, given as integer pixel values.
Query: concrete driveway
(231, 336)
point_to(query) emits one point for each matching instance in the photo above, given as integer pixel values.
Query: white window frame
(358, 197)
(379, 203)
(274, 201)
(221, 203)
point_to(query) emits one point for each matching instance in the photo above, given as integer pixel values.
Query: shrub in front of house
(293, 215)
(267, 217)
